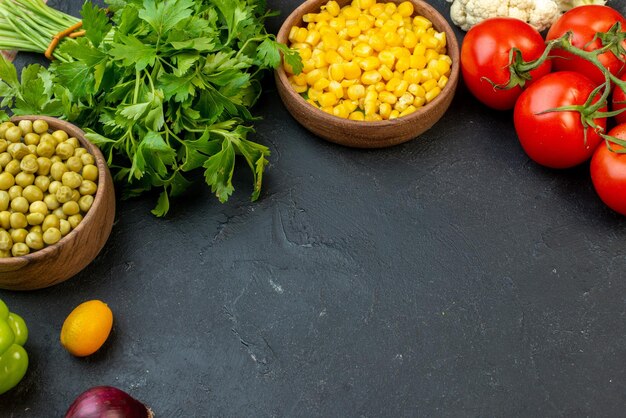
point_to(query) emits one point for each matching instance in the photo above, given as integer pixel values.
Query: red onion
(107, 402)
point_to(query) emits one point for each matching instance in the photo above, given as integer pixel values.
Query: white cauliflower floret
(539, 13)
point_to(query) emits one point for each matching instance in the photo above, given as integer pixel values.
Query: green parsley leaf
(95, 23)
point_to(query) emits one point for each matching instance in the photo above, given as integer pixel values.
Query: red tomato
(556, 139)
(585, 22)
(619, 96)
(485, 54)
(608, 172)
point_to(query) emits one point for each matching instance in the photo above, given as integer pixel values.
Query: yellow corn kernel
(446, 58)
(348, 83)
(307, 66)
(405, 100)
(387, 97)
(387, 58)
(315, 94)
(377, 9)
(309, 18)
(313, 37)
(353, 31)
(425, 75)
(371, 96)
(390, 26)
(313, 76)
(397, 17)
(419, 50)
(422, 22)
(321, 84)
(416, 90)
(443, 80)
(401, 88)
(293, 32)
(305, 53)
(330, 40)
(370, 77)
(441, 66)
(341, 111)
(419, 101)
(411, 76)
(405, 9)
(403, 64)
(335, 72)
(392, 84)
(380, 20)
(366, 22)
(357, 115)
(410, 40)
(345, 52)
(327, 109)
(392, 38)
(441, 38)
(319, 26)
(299, 89)
(351, 70)
(338, 23)
(385, 72)
(332, 7)
(384, 110)
(370, 108)
(431, 54)
(394, 114)
(350, 12)
(328, 99)
(390, 8)
(374, 117)
(408, 110)
(417, 62)
(301, 35)
(429, 41)
(335, 88)
(431, 94)
(351, 105)
(325, 29)
(312, 102)
(366, 4)
(377, 42)
(310, 27)
(370, 63)
(380, 86)
(323, 16)
(430, 85)
(332, 57)
(319, 58)
(299, 79)
(362, 50)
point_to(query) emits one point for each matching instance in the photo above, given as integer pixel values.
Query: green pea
(34, 241)
(74, 164)
(18, 220)
(44, 165)
(13, 167)
(42, 182)
(40, 126)
(13, 134)
(5, 200)
(18, 235)
(75, 220)
(20, 204)
(20, 249)
(54, 186)
(51, 202)
(5, 158)
(36, 228)
(5, 219)
(64, 226)
(58, 212)
(45, 148)
(60, 136)
(64, 194)
(15, 191)
(32, 193)
(51, 236)
(29, 164)
(6, 242)
(90, 172)
(72, 180)
(24, 179)
(57, 170)
(50, 221)
(88, 187)
(6, 180)
(65, 150)
(35, 218)
(71, 208)
(85, 202)
(4, 126)
(18, 150)
(26, 126)
(39, 207)
(31, 139)
(3, 145)
(87, 159)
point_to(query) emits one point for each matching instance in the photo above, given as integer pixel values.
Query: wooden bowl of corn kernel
(375, 74)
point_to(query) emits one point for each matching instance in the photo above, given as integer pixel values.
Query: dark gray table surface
(448, 276)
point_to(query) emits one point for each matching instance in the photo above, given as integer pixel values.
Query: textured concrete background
(449, 276)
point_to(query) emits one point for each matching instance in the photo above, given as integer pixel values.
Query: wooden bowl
(59, 262)
(363, 134)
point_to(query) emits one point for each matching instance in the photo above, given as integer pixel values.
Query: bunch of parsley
(163, 87)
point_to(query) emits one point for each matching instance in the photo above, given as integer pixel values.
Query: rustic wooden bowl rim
(295, 18)
(98, 199)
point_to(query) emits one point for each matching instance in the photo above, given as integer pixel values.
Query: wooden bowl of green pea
(57, 202)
